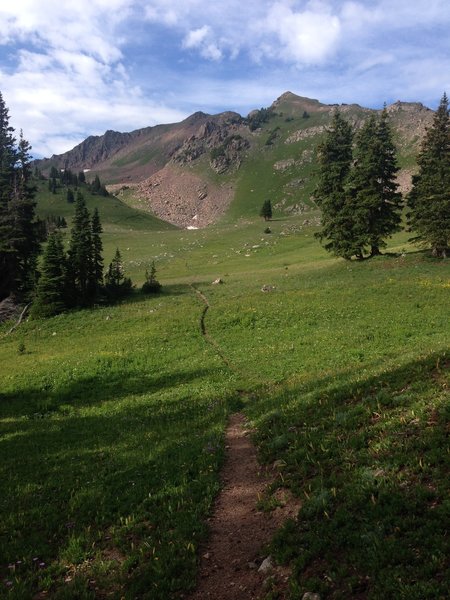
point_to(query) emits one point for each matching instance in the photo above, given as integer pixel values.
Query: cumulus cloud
(71, 79)
(308, 37)
(203, 40)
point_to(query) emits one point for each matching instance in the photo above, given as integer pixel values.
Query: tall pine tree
(19, 241)
(51, 291)
(96, 279)
(429, 199)
(335, 159)
(372, 192)
(80, 260)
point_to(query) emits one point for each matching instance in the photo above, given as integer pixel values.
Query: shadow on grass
(107, 386)
(138, 472)
(369, 458)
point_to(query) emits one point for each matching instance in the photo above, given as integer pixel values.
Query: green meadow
(112, 419)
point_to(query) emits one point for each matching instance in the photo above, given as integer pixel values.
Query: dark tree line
(358, 193)
(68, 179)
(19, 235)
(65, 279)
(75, 278)
(357, 189)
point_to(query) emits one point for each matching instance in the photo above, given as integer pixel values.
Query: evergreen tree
(51, 292)
(96, 279)
(372, 193)
(70, 196)
(266, 210)
(54, 173)
(81, 177)
(96, 185)
(116, 284)
(52, 185)
(335, 160)
(429, 199)
(25, 240)
(80, 260)
(151, 284)
(19, 236)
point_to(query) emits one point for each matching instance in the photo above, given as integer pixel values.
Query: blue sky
(69, 70)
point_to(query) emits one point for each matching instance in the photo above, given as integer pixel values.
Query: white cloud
(203, 40)
(305, 37)
(196, 37)
(73, 81)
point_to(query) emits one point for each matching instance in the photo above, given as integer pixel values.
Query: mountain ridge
(190, 173)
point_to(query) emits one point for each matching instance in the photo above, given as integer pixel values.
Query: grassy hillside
(112, 419)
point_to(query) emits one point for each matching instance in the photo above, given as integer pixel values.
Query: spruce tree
(96, 185)
(96, 279)
(19, 236)
(266, 210)
(51, 292)
(151, 284)
(335, 160)
(372, 195)
(116, 284)
(429, 199)
(80, 259)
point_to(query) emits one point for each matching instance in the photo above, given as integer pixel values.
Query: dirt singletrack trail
(230, 560)
(235, 550)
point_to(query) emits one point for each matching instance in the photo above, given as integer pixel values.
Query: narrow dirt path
(204, 330)
(230, 561)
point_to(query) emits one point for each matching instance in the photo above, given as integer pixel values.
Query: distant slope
(210, 166)
(115, 215)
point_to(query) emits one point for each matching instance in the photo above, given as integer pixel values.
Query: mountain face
(191, 173)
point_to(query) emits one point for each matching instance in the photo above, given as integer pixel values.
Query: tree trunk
(375, 251)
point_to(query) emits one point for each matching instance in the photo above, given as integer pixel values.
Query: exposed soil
(238, 530)
(183, 198)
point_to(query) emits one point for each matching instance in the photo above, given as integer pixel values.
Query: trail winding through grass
(239, 529)
(205, 332)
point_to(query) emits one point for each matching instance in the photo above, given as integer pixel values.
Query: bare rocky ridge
(186, 173)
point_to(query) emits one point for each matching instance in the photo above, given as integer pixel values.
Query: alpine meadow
(292, 267)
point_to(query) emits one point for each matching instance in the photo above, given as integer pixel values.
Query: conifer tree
(80, 261)
(96, 185)
(54, 173)
(335, 160)
(51, 291)
(372, 194)
(116, 284)
(151, 284)
(19, 238)
(429, 199)
(96, 281)
(266, 210)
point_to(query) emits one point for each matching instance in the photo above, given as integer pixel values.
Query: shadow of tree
(369, 458)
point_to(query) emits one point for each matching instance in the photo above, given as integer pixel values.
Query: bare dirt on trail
(230, 561)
